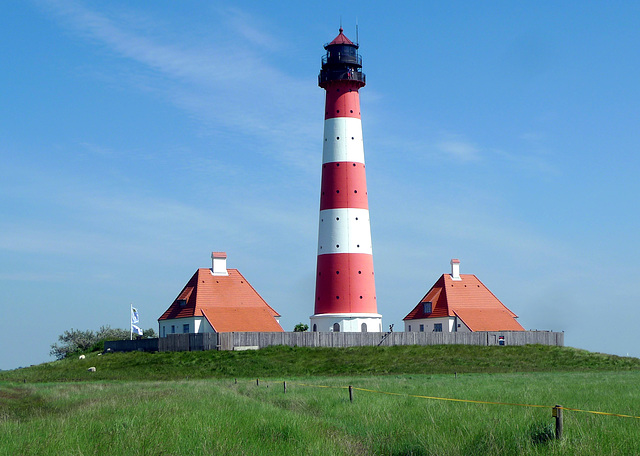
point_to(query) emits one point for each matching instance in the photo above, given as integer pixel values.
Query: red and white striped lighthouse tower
(345, 297)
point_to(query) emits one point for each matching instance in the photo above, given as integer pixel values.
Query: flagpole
(131, 321)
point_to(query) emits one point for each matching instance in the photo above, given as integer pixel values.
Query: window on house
(363, 327)
(421, 328)
(336, 327)
(409, 328)
(427, 307)
(315, 327)
(182, 302)
(437, 327)
(173, 329)
(185, 329)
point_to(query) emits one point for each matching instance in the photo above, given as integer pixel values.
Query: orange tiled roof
(229, 319)
(230, 303)
(468, 299)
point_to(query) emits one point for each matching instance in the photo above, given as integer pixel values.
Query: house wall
(449, 324)
(197, 325)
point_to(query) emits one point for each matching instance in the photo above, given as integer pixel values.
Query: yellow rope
(451, 399)
(600, 413)
(465, 400)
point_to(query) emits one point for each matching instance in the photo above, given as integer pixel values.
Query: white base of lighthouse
(343, 322)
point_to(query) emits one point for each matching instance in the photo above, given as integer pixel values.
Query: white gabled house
(460, 302)
(218, 300)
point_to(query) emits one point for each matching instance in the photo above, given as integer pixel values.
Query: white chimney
(219, 264)
(455, 269)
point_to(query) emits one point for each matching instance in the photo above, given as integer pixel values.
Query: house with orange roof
(218, 300)
(460, 302)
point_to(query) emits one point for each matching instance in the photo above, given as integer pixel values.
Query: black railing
(340, 75)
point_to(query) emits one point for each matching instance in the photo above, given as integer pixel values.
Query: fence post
(557, 413)
(350, 393)
(285, 386)
(257, 382)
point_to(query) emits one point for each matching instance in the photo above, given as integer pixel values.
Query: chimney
(455, 269)
(219, 264)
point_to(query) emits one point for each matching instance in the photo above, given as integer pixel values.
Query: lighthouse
(345, 298)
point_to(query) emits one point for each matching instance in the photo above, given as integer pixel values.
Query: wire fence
(555, 409)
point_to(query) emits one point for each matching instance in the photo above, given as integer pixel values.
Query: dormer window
(182, 302)
(427, 307)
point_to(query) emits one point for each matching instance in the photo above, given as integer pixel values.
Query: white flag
(134, 316)
(136, 329)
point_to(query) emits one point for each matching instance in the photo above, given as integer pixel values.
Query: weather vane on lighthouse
(345, 298)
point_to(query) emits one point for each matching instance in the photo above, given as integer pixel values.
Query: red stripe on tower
(345, 297)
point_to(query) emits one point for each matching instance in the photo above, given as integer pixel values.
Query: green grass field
(151, 408)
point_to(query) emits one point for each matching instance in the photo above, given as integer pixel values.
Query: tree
(300, 327)
(75, 341)
(109, 333)
(72, 341)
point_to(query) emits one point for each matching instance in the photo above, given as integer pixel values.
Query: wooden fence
(189, 342)
(254, 340)
(234, 340)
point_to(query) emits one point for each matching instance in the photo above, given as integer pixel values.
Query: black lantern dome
(342, 62)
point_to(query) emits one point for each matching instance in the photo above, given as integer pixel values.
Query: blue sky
(136, 138)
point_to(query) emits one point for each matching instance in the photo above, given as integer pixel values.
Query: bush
(74, 341)
(300, 327)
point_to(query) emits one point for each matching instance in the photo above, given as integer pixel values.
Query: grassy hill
(189, 403)
(280, 362)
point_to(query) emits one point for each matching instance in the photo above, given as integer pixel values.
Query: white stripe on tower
(343, 140)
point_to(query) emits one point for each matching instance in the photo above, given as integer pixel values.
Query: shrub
(75, 341)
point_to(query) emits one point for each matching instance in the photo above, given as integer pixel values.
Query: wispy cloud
(248, 27)
(531, 161)
(217, 87)
(462, 151)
